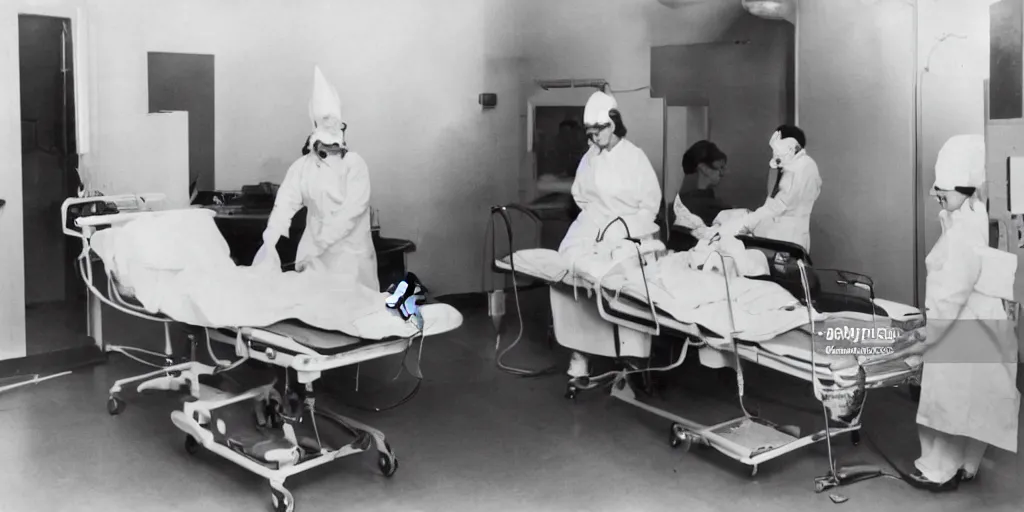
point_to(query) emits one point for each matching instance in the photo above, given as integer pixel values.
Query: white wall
(953, 62)
(408, 73)
(855, 97)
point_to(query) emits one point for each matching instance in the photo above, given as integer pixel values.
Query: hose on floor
(500, 354)
(404, 366)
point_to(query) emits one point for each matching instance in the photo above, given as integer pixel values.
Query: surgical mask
(328, 139)
(324, 150)
(597, 134)
(783, 150)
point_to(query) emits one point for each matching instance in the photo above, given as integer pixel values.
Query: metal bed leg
(171, 377)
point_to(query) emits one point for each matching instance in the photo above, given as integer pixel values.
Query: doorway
(55, 299)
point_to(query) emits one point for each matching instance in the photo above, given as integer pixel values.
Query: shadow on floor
(473, 438)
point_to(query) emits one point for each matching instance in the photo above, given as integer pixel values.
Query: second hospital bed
(150, 258)
(658, 298)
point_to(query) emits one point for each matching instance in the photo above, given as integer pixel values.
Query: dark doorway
(55, 300)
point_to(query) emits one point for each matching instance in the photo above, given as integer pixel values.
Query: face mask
(328, 140)
(783, 150)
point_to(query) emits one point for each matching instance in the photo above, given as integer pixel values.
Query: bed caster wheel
(678, 436)
(673, 439)
(115, 406)
(855, 438)
(191, 445)
(282, 501)
(570, 392)
(388, 464)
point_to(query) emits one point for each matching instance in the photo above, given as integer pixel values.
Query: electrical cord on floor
(403, 366)
(900, 475)
(500, 354)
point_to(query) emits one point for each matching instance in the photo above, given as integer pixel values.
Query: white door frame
(12, 252)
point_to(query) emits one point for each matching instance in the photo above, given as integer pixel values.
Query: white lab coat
(977, 400)
(609, 184)
(787, 216)
(336, 193)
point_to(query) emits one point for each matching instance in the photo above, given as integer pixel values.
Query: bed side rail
(97, 211)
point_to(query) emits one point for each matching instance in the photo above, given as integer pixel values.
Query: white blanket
(177, 263)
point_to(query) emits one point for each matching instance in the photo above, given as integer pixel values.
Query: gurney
(636, 296)
(300, 340)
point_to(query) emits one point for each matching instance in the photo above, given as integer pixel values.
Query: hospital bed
(289, 440)
(642, 297)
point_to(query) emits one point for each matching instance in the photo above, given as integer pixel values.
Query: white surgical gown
(336, 193)
(609, 184)
(787, 216)
(969, 389)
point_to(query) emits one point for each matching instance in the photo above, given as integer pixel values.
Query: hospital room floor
(473, 439)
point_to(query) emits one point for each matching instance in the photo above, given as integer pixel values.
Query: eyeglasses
(594, 129)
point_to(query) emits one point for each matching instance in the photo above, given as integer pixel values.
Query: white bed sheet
(177, 263)
(761, 310)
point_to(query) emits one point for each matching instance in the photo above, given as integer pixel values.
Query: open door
(42, 303)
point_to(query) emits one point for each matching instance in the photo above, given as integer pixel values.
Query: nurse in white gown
(969, 398)
(333, 184)
(614, 180)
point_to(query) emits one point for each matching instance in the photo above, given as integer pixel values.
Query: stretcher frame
(198, 418)
(645, 318)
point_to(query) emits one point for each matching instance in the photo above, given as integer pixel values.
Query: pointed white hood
(325, 112)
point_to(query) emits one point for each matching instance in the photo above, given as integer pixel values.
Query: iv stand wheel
(115, 405)
(387, 462)
(282, 499)
(819, 486)
(855, 437)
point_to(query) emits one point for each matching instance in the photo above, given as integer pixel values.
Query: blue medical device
(406, 298)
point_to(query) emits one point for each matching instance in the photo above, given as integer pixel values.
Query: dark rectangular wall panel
(181, 81)
(1006, 60)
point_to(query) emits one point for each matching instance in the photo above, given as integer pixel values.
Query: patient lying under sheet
(688, 286)
(177, 263)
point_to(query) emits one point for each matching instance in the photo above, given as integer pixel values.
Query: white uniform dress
(613, 183)
(969, 396)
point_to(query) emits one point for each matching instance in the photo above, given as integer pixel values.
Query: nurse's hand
(702, 232)
(732, 228)
(267, 259)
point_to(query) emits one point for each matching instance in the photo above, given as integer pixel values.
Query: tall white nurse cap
(598, 107)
